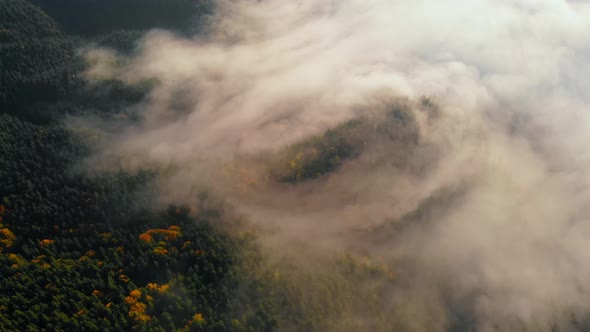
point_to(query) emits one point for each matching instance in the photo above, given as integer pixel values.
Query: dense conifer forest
(84, 252)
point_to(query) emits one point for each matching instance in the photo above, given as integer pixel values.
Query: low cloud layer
(486, 207)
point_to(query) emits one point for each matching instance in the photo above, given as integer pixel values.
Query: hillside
(38, 62)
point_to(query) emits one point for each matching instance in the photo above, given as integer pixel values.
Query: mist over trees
(92, 251)
(213, 165)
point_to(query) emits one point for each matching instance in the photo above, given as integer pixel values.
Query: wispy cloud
(511, 80)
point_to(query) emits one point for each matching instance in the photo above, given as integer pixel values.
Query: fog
(483, 209)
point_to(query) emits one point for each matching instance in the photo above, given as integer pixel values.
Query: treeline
(96, 17)
(38, 63)
(41, 68)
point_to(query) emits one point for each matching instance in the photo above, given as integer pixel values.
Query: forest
(84, 252)
(91, 251)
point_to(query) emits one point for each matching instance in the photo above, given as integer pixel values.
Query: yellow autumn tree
(146, 237)
(7, 238)
(46, 242)
(160, 251)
